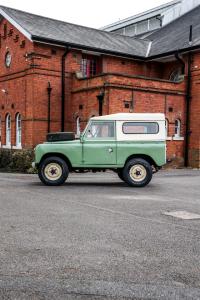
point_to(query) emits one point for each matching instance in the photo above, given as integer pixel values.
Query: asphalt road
(96, 238)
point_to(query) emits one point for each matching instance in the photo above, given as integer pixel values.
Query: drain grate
(185, 215)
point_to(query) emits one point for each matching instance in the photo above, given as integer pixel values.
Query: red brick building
(54, 76)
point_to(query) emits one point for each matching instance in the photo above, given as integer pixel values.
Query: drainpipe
(49, 89)
(63, 90)
(188, 101)
(179, 59)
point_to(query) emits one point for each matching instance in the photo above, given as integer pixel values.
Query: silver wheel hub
(53, 171)
(138, 173)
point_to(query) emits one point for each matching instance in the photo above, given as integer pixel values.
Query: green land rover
(132, 145)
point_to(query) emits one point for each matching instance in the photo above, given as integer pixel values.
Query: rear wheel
(53, 171)
(137, 172)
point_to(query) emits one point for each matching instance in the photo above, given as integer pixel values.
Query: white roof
(131, 117)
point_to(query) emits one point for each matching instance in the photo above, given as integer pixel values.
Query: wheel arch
(148, 158)
(60, 155)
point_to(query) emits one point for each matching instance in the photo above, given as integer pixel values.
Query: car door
(99, 144)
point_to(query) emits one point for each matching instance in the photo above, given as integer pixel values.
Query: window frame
(8, 130)
(177, 128)
(100, 138)
(18, 119)
(140, 133)
(89, 63)
(167, 127)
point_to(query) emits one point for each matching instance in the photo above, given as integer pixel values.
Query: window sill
(169, 138)
(178, 138)
(6, 146)
(19, 147)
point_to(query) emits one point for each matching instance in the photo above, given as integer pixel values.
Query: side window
(101, 130)
(140, 128)
(175, 76)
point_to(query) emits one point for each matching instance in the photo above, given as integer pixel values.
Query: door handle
(110, 150)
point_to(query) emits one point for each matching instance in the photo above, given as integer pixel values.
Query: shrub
(16, 160)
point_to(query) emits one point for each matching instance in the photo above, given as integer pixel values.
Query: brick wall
(16, 82)
(122, 80)
(194, 140)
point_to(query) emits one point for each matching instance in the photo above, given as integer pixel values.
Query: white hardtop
(131, 117)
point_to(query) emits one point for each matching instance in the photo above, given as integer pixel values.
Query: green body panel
(97, 154)
(155, 150)
(71, 149)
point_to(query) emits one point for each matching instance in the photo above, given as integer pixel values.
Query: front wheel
(137, 172)
(53, 171)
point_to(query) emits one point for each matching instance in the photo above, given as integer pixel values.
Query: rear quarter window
(140, 128)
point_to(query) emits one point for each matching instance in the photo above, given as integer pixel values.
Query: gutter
(188, 100)
(81, 47)
(170, 53)
(114, 53)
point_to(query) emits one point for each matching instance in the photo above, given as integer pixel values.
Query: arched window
(8, 130)
(78, 128)
(177, 128)
(18, 130)
(166, 128)
(176, 75)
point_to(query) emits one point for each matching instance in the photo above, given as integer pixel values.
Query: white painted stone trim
(6, 147)
(19, 147)
(178, 138)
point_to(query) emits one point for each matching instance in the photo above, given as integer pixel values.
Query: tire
(137, 172)
(120, 174)
(53, 171)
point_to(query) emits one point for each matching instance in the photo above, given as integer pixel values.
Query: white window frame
(166, 128)
(8, 131)
(78, 128)
(177, 131)
(18, 121)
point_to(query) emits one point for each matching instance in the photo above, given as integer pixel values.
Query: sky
(85, 12)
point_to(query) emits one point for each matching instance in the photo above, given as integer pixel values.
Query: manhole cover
(185, 215)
